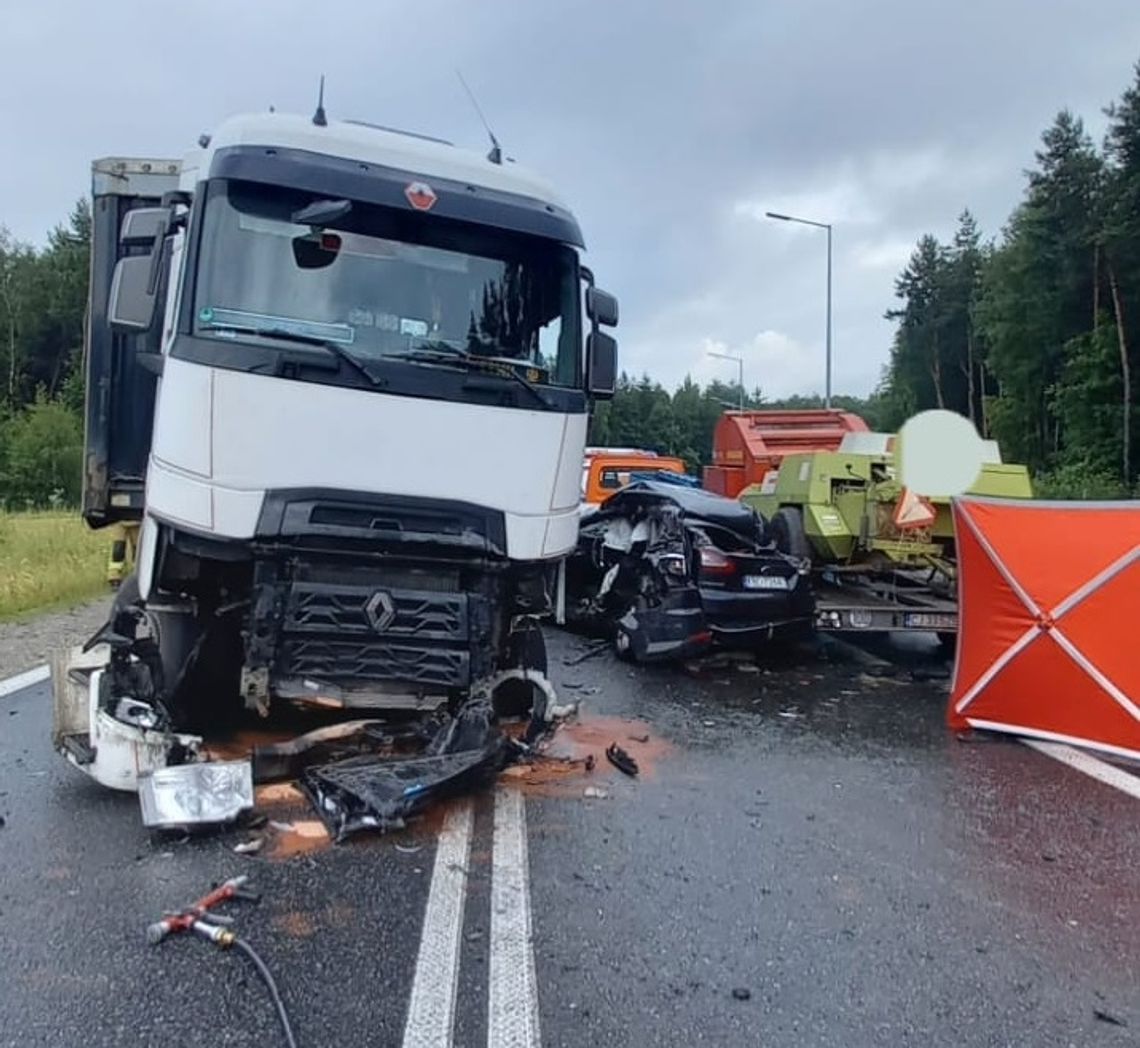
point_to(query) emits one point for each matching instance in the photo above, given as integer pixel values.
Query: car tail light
(715, 563)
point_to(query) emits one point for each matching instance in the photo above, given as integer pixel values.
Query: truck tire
(787, 527)
(526, 649)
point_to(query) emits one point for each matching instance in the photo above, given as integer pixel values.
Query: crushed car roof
(693, 502)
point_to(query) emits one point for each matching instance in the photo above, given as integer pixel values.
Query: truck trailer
(336, 376)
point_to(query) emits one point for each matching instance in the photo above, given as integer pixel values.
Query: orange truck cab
(747, 444)
(607, 470)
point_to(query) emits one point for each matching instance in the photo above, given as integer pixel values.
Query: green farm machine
(884, 559)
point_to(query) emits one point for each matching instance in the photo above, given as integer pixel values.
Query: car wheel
(623, 644)
(787, 527)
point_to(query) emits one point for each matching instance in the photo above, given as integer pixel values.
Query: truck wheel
(526, 649)
(787, 526)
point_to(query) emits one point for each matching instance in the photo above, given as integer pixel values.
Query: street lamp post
(827, 226)
(740, 367)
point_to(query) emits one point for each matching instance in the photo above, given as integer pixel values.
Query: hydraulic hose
(274, 993)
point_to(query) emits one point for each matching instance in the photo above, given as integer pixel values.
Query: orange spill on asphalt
(563, 771)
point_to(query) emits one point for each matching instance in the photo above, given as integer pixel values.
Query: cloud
(772, 360)
(891, 254)
(670, 134)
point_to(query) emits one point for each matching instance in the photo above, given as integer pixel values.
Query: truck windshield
(381, 284)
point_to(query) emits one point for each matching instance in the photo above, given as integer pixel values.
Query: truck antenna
(319, 117)
(496, 153)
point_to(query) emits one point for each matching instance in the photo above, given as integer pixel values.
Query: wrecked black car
(668, 571)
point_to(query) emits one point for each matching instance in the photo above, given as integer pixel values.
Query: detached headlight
(189, 794)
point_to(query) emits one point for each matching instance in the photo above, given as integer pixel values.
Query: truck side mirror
(142, 226)
(133, 297)
(132, 302)
(601, 307)
(601, 365)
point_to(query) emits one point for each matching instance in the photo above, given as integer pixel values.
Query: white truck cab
(351, 364)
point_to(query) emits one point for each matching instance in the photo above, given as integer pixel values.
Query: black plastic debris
(287, 759)
(382, 792)
(591, 652)
(742, 993)
(1108, 1017)
(621, 760)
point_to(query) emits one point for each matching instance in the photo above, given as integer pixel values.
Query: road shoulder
(30, 642)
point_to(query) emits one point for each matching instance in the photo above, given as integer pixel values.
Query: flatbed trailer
(851, 601)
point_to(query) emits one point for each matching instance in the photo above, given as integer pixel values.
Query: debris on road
(381, 793)
(287, 759)
(206, 793)
(250, 847)
(621, 760)
(589, 653)
(742, 993)
(1108, 1017)
(595, 793)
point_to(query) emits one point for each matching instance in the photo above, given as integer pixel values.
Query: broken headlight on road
(196, 794)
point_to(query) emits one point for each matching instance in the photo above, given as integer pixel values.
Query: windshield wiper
(444, 353)
(335, 348)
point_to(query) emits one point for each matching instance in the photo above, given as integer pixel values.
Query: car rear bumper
(741, 617)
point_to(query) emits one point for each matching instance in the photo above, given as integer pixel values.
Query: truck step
(79, 748)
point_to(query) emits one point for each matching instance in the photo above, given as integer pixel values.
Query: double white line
(512, 1006)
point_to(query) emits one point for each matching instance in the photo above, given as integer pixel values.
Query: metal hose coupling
(221, 937)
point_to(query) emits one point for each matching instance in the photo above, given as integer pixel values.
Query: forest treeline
(1032, 333)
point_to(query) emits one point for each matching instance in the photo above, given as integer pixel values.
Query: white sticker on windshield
(416, 328)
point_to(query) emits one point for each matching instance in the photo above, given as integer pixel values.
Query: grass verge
(48, 560)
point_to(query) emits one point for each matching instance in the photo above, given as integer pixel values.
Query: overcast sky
(670, 128)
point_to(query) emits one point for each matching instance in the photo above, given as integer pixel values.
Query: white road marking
(431, 1010)
(24, 680)
(1090, 765)
(512, 1008)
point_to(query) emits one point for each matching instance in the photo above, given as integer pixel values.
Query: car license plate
(925, 620)
(765, 582)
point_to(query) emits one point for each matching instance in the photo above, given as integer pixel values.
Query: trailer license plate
(925, 620)
(765, 582)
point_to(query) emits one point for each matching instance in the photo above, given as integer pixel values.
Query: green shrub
(42, 449)
(1077, 481)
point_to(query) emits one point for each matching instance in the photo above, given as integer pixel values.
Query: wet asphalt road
(813, 839)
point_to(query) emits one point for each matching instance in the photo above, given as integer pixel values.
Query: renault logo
(380, 611)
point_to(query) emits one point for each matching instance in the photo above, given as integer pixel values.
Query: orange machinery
(747, 444)
(607, 470)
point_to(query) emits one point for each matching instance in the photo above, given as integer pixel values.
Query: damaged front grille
(331, 660)
(361, 609)
(350, 626)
